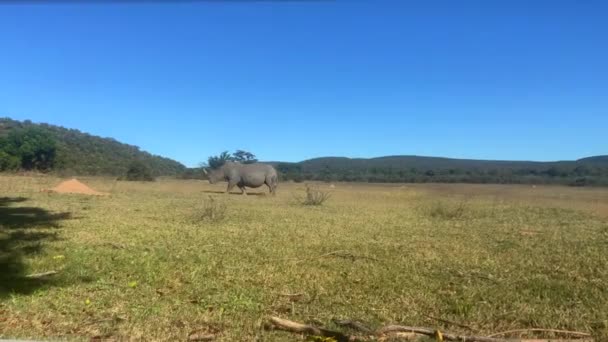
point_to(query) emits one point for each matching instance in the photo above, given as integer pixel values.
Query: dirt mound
(73, 186)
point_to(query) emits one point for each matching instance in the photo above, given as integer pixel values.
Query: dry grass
(135, 266)
(313, 196)
(212, 210)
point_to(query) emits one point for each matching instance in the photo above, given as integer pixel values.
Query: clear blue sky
(290, 81)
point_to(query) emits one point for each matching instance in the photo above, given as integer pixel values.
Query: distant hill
(408, 162)
(594, 160)
(585, 171)
(80, 153)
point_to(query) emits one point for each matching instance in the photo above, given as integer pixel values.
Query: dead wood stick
(396, 331)
(41, 275)
(353, 324)
(432, 332)
(452, 337)
(287, 325)
(339, 253)
(401, 336)
(553, 340)
(300, 294)
(201, 337)
(557, 331)
(321, 256)
(450, 322)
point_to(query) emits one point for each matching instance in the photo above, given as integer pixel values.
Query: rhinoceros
(245, 175)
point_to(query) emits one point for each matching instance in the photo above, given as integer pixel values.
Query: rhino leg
(269, 188)
(243, 192)
(272, 184)
(230, 186)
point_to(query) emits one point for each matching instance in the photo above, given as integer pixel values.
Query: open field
(141, 264)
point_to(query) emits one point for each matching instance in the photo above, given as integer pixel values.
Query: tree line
(41, 147)
(575, 175)
(591, 171)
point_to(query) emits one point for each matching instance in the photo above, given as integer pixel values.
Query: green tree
(8, 161)
(33, 147)
(216, 162)
(139, 171)
(244, 157)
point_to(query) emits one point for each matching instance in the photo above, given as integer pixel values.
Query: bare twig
(41, 275)
(201, 337)
(287, 325)
(353, 324)
(115, 319)
(114, 245)
(291, 295)
(340, 254)
(321, 256)
(551, 340)
(403, 333)
(432, 332)
(450, 322)
(400, 336)
(557, 331)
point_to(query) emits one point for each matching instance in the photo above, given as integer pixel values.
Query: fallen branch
(114, 245)
(551, 340)
(432, 332)
(442, 320)
(41, 275)
(201, 337)
(565, 332)
(404, 333)
(402, 336)
(299, 328)
(291, 295)
(354, 325)
(340, 254)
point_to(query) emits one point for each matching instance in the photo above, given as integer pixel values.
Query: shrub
(9, 162)
(313, 197)
(211, 210)
(139, 172)
(28, 148)
(447, 211)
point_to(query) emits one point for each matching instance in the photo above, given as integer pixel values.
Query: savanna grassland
(160, 261)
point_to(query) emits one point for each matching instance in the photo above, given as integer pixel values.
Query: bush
(447, 211)
(139, 172)
(313, 197)
(581, 181)
(29, 149)
(212, 211)
(9, 162)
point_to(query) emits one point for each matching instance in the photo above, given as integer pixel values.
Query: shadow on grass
(22, 232)
(235, 193)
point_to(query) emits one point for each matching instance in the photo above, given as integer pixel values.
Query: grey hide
(245, 175)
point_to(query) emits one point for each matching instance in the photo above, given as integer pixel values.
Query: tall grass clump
(313, 197)
(211, 210)
(447, 210)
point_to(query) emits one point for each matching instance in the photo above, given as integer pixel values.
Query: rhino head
(214, 175)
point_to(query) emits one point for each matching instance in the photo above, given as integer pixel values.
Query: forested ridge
(417, 169)
(45, 147)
